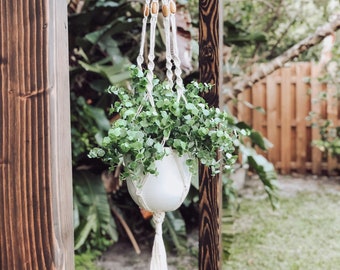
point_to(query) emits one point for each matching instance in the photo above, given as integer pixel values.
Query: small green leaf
(159, 148)
(106, 141)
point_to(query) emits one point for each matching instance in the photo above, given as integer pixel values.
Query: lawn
(303, 234)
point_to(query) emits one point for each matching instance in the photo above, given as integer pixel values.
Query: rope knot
(158, 218)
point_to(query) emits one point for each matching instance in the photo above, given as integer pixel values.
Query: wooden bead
(154, 8)
(146, 11)
(165, 10)
(172, 7)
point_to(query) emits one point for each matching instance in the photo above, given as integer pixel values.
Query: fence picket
(244, 112)
(302, 72)
(258, 114)
(286, 111)
(316, 108)
(287, 97)
(332, 115)
(272, 116)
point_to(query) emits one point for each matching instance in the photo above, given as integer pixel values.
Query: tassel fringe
(158, 259)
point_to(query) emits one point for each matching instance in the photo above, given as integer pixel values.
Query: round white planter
(165, 191)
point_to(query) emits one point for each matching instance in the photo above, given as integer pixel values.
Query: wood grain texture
(61, 159)
(302, 71)
(210, 59)
(244, 112)
(286, 116)
(272, 116)
(27, 177)
(332, 115)
(316, 108)
(258, 100)
(289, 99)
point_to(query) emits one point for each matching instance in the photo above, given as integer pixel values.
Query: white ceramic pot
(165, 191)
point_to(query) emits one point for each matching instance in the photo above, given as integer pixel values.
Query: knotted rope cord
(154, 7)
(158, 258)
(166, 23)
(158, 261)
(140, 58)
(151, 56)
(170, 29)
(174, 50)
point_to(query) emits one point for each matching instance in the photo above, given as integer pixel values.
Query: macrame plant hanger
(151, 9)
(175, 82)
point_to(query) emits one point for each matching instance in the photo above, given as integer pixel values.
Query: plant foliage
(94, 225)
(187, 125)
(103, 37)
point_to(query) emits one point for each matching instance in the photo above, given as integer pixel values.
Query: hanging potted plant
(156, 145)
(163, 129)
(181, 130)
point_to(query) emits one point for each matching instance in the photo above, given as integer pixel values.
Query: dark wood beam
(210, 69)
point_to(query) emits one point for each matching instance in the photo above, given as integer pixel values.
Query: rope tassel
(158, 259)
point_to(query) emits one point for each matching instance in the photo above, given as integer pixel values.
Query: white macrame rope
(166, 23)
(174, 49)
(140, 58)
(151, 56)
(171, 47)
(158, 259)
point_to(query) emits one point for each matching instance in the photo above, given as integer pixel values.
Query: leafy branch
(239, 84)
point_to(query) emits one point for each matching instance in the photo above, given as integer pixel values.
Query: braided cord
(151, 56)
(177, 62)
(172, 58)
(140, 58)
(166, 22)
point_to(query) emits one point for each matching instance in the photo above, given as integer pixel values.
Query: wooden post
(210, 59)
(36, 229)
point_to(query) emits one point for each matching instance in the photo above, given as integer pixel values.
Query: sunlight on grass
(304, 234)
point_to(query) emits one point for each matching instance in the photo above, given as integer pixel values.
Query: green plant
(86, 260)
(246, 146)
(329, 130)
(302, 234)
(103, 39)
(99, 32)
(95, 228)
(187, 125)
(329, 138)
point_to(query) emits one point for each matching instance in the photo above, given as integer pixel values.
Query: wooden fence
(287, 96)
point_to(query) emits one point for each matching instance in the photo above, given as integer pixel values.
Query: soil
(122, 255)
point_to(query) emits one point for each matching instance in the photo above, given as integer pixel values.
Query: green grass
(304, 234)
